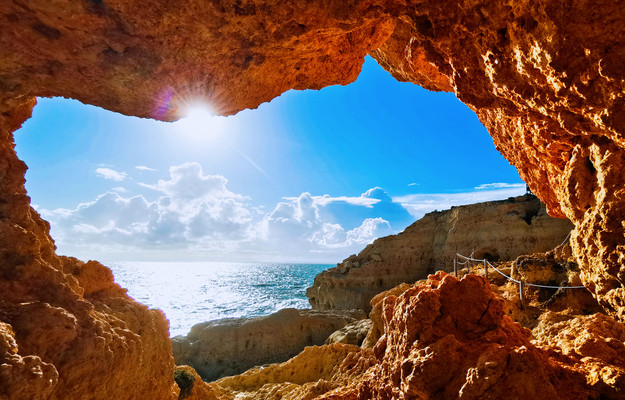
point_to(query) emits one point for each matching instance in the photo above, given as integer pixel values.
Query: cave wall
(546, 79)
(544, 76)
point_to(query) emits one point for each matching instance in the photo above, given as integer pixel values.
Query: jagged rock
(231, 346)
(234, 55)
(498, 230)
(450, 339)
(446, 338)
(595, 342)
(546, 79)
(353, 333)
(377, 303)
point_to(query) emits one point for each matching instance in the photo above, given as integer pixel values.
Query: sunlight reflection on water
(194, 292)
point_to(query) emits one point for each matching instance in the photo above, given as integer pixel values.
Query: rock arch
(545, 77)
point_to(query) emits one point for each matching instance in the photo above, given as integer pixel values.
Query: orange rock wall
(545, 77)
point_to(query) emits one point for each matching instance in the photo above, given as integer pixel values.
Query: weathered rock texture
(231, 346)
(313, 372)
(497, 230)
(153, 59)
(354, 333)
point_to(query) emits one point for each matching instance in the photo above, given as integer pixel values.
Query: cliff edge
(496, 230)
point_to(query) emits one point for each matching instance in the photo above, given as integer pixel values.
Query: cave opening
(547, 90)
(306, 179)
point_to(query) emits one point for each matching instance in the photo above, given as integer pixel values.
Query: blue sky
(310, 176)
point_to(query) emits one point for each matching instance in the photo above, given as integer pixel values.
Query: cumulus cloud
(303, 224)
(192, 208)
(195, 215)
(109, 173)
(187, 182)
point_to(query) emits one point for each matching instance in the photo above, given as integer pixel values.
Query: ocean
(194, 292)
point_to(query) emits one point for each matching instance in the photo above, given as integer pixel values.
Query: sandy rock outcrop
(595, 342)
(496, 230)
(313, 372)
(545, 77)
(354, 333)
(450, 339)
(231, 346)
(154, 59)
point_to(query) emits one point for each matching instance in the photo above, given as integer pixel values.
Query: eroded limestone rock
(545, 77)
(449, 339)
(445, 338)
(354, 333)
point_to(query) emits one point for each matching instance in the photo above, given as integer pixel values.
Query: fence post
(521, 295)
(485, 270)
(455, 267)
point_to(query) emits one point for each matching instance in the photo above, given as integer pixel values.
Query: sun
(201, 122)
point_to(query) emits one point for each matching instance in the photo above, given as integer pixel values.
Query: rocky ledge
(496, 230)
(231, 346)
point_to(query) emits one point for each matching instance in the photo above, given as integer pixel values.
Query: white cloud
(196, 216)
(187, 182)
(371, 229)
(413, 184)
(144, 168)
(326, 199)
(194, 208)
(499, 185)
(420, 204)
(119, 189)
(193, 215)
(109, 173)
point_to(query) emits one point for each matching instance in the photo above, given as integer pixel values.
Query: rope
(514, 280)
(566, 239)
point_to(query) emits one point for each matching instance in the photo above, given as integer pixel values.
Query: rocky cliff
(497, 230)
(231, 346)
(545, 77)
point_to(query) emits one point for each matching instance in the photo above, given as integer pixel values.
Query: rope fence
(467, 261)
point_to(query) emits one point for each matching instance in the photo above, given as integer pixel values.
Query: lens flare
(201, 122)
